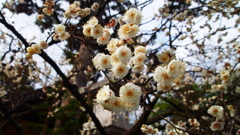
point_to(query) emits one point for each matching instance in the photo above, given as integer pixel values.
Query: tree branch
(72, 88)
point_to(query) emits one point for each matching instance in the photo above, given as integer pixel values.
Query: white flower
(128, 31)
(59, 29)
(130, 93)
(104, 95)
(160, 75)
(139, 59)
(77, 3)
(216, 126)
(36, 48)
(133, 16)
(96, 61)
(104, 61)
(40, 16)
(123, 53)
(114, 59)
(149, 129)
(87, 31)
(120, 70)
(169, 127)
(65, 35)
(124, 31)
(134, 29)
(216, 111)
(176, 68)
(97, 31)
(93, 21)
(30, 50)
(95, 6)
(214, 88)
(105, 38)
(116, 104)
(221, 88)
(86, 12)
(163, 57)
(43, 44)
(166, 56)
(112, 44)
(139, 49)
(225, 77)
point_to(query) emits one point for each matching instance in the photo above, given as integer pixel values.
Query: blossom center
(129, 93)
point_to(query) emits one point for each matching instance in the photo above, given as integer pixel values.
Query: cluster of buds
(149, 129)
(36, 49)
(74, 10)
(60, 33)
(128, 101)
(48, 9)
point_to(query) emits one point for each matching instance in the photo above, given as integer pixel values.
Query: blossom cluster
(36, 49)
(74, 10)
(166, 76)
(175, 129)
(130, 29)
(48, 7)
(226, 81)
(193, 122)
(95, 30)
(217, 111)
(60, 33)
(120, 56)
(128, 101)
(149, 129)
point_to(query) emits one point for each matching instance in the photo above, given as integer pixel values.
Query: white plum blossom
(59, 29)
(97, 31)
(130, 93)
(133, 15)
(123, 53)
(120, 70)
(216, 111)
(104, 94)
